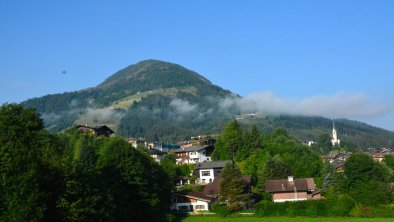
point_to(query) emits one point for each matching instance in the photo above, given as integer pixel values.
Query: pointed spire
(333, 124)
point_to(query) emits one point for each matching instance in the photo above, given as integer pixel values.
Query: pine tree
(234, 188)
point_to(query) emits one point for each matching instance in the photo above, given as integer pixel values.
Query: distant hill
(166, 102)
(158, 100)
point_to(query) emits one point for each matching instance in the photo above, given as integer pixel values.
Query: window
(183, 208)
(206, 173)
(200, 207)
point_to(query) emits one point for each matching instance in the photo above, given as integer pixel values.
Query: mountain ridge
(167, 102)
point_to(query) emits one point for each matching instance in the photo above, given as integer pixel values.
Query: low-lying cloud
(183, 106)
(339, 105)
(102, 115)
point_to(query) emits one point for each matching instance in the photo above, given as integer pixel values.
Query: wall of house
(198, 157)
(206, 175)
(283, 197)
(197, 205)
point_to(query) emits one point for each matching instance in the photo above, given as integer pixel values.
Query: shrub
(263, 208)
(221, 210)
(383, 211)
(341, 205)
(311, 211)
(360, 211)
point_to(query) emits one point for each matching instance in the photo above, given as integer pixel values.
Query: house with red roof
(291, 189)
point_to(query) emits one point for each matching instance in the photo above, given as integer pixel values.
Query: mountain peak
(153, 69)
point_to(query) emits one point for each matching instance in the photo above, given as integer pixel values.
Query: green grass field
(281, 219)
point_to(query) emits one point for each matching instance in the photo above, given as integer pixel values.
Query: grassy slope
(126, 102)
(283, 219)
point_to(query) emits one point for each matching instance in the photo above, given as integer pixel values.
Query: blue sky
(304, 54)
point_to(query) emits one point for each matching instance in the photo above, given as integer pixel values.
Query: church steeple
(334, 137)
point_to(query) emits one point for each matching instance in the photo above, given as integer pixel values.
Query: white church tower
(334, 137)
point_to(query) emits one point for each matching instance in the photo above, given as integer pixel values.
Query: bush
(383, 211)
(263, 208)
(221, 210)
(311, 211)
(360, 211)
(341, 205)
(311, 208)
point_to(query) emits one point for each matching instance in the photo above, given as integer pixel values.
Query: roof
(191, 149)
(155, 152)
(211, 165)
(194, 195)
(287, 186)
(338, 163)
(102, 129)
(213, 189)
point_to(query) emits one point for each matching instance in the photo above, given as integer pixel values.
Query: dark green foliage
(274, 157)
(221, 210)
(274, 169)
(340, 205)
(109, 180)
(365, 180)
(169, 165)
(233, 188)
(156, 118)
(252, 142)
(29, 176)
(311, 208)
(228, 143)
(382, 211)
(73, 176)
(389, 162)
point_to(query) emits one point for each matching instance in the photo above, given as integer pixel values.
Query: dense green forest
(73, 176)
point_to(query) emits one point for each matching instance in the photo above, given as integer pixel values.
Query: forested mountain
(166, 102)
(157, 100)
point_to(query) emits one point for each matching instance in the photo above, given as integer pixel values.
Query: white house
(207, 171)
(194, 154)
(190, 201)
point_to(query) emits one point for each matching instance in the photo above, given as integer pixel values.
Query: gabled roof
(194, 195)
(102, 130)
(213, 189)
(156, 152)
(191, 149)
(338, 163)
(211, 165)
(285, 185)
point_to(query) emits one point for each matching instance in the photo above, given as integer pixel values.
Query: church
(334, 137)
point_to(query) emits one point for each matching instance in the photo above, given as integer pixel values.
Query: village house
(191, 201)
(342, 156)
(378, 154)
(192, 155)
(137, 141)
(339, 166)
(292, 189)
(156, 154)
(208, 171)
(213, 189)
(95, 130)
